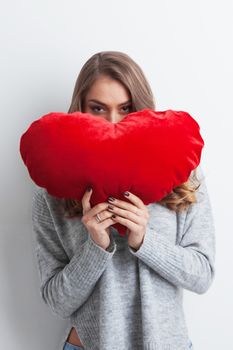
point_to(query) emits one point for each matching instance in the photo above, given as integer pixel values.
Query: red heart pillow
(148, 153)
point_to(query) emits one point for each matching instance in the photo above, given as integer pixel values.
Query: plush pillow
(148, 153)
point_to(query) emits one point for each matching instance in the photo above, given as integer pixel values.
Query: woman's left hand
(134, 216)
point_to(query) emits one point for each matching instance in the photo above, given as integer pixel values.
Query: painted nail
(113, 216)
(126, 194)
(89, 188)
(111, 199)
(110, 206)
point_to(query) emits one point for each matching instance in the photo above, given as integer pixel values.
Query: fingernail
(89, 188)
(126, 194)
(111, 199)
(113, 216)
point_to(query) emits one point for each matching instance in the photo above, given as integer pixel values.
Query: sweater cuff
(157, 250)
(91, 261)
(112, 244)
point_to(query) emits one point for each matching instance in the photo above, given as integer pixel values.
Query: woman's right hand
(99, 231)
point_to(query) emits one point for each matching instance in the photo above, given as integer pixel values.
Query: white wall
(185, 50)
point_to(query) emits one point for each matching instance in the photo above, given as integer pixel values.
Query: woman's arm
(189, 264)
(64, 284)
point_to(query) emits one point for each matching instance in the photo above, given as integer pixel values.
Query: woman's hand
(99, 231)
(134, 216)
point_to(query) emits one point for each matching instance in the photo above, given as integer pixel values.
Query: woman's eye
(127, 108)
(96, 109)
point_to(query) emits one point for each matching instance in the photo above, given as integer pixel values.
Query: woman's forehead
(107, 91)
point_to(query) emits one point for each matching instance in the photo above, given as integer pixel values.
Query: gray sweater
(122, 299)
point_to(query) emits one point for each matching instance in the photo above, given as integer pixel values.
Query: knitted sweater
(119, 298)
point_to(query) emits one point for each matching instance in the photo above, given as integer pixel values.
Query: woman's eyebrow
(103, 104)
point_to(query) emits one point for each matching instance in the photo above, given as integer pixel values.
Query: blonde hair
(119, 66)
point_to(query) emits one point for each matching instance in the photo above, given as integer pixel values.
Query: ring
(98, 218)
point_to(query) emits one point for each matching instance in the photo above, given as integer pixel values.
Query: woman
(122, 292)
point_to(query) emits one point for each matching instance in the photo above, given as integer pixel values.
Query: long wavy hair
(119, 66)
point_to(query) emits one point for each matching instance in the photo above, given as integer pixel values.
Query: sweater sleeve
(190, 263)
(65, 284)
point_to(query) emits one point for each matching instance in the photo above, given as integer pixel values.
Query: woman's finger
(86, 200)
(97, 209)
(132, 216)
(134, 199)
(136, 207)
(103, 215)
(125, 222)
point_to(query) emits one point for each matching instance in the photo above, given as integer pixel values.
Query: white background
(185, 49)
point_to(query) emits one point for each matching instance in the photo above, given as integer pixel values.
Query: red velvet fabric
(148, 153)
